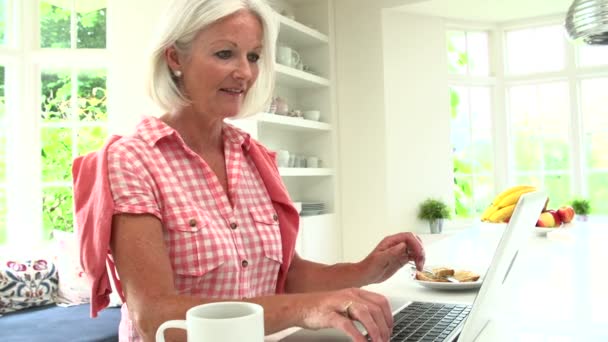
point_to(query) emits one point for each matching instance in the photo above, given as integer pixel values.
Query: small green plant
(433, 209)
(581, 206)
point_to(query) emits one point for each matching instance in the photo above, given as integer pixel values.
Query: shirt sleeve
(131, 184)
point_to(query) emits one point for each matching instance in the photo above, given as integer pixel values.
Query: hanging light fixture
(587, 20)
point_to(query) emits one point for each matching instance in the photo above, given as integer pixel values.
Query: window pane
(56, 154)
(3, 10)
(92, 95)
(3, 124)
(457, 52)
(535, 50)
(558, 190)
(92, 26)
(595, 110)
(90, 139)
(463, 195)
(54, 26)
(481, 129)
(592, 55)
(3, 216)
(596, 146)
(478, 51)
(56, 95)
(540, 120)
(484, 193)
(598, 194)
(57, 211)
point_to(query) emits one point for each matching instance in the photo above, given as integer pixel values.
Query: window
(535, 50)
(540, 135)
(555, 130)
(595, 140)
(2, 160)
(471, 121)
(64, 115)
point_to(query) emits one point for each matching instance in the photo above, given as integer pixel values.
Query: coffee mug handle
(160, 333)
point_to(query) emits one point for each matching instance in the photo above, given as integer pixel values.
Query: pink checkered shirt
(216, 250)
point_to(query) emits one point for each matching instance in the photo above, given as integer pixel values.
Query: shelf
(296, 124)
(299, 35)
(306, 172)
(295, 78)
(317, 217)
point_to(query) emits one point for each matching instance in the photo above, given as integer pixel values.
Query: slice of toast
(442, 272)
(466, 276)
(426, 276)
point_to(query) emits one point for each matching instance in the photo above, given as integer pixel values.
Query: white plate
(450, 286)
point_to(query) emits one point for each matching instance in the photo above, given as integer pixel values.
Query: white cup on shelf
(312, 162)
(283, 158)
(313, 115)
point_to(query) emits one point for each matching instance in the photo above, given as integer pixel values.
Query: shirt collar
(152, 129)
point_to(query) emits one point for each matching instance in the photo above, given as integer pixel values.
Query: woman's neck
(202, 133)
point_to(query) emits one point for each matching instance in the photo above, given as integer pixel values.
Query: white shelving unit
(311, 36)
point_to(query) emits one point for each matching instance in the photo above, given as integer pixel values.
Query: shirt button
(192, 222)
(275, 217)
(244, 263)
(233, 225)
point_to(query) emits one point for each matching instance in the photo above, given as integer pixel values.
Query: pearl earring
(177, 73)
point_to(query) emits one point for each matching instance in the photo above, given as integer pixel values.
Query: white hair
(182, 22)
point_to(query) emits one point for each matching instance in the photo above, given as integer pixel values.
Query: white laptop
(465, 322)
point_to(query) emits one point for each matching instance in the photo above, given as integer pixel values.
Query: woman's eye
(253, 57)
(224, 54)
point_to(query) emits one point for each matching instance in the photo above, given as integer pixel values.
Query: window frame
(24, 163)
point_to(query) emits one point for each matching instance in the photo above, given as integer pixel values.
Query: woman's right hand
(338, 309)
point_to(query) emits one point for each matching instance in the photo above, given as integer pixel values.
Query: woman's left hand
(392, 253)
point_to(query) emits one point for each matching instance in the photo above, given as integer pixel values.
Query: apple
(558, 219)
(566, 213)
(546, 219)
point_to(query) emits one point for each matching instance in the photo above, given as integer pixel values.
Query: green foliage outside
(60, 144)
(55, 28)
(2, 21)
(3, 208)
(69, 128)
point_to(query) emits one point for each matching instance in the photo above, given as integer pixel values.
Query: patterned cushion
(27, 284)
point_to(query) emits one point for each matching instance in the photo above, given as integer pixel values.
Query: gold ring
(346, 309)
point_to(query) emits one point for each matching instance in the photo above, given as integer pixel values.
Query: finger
(340, 322)
(382, 303)
(360, 311)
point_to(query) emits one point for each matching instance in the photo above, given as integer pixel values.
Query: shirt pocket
(193, 244)
(267, 225)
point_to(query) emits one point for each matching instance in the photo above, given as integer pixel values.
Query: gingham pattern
(154, 172)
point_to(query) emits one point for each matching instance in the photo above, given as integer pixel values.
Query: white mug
(221, 321)
(288, 56)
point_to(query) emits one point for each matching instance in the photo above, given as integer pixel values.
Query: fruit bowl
(542, 231)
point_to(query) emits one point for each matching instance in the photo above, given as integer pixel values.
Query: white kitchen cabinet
(310, 34)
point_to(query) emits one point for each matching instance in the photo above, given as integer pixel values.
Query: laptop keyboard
(427, 321)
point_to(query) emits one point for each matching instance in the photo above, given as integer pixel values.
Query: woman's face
(222, 64)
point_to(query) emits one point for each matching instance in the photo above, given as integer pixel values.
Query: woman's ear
(172, 59)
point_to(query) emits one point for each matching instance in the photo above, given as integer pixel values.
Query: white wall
(131, 25)
(393, 126)
(361, 120)
(417, 116)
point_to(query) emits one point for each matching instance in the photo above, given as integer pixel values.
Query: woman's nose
(243, 69)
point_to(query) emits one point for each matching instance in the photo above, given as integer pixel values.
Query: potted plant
(434, 211)
(582, 208)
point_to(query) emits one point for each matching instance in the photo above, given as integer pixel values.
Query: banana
(502, 214)
(509, 191)
(513, 197)
(494, 206)
(485, 216)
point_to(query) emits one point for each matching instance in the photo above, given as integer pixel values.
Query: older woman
(199, 215)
